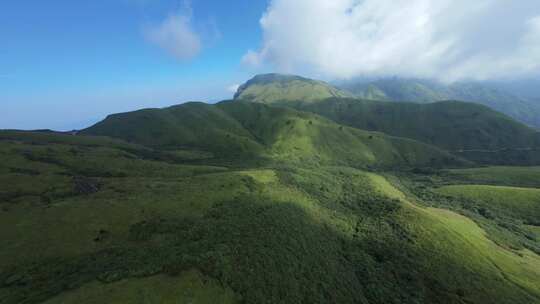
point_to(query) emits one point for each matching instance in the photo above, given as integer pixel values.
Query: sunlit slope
(453, 239)
(271, 88)
(253, 130)
(521, 203)
(501, 200)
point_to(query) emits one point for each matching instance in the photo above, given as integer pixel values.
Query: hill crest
(271, 88)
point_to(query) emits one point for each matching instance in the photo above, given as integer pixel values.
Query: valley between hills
(295, 191)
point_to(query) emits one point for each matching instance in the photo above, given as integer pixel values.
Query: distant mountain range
(500, 97)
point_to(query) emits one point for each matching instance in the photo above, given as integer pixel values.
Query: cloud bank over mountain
(445, 39)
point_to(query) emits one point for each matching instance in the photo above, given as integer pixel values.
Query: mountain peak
(273, 88)
(276, 77)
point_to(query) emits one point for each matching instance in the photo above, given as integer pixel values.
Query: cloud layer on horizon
(445, 39)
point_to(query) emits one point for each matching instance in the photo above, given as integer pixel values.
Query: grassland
(466, 126)
(287, 213)
(189, 287)
(522, 203)
(501, 200)
(509, 176)
(454, 238)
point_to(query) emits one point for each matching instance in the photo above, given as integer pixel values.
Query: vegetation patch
(520, 203)
(188, 287)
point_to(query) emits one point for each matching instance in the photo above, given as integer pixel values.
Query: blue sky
(65, 64)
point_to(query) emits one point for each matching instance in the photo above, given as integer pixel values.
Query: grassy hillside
(502, 200)
(86, 220)
(454, 237)
(522, 203)
(270, 88)
(195, 125)
(472, 131)
(509, 176)
(262, 133)
(189, 287)
(425, 91)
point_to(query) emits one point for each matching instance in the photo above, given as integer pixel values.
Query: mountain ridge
(428, 91)
(260, 131)
(455, 126)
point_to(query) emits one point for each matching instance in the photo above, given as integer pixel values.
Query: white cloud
(253, 59)
(233, 88)
(445, 39)
(176, 35)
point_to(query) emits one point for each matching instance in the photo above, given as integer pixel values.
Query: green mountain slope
(452, 125)
(95, 220)
(473, 131)
(270, 88)
(194, 125)
(266, 133)
(425, 91)
(522, 203)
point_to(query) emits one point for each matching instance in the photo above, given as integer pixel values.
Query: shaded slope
(193, 125)
(270, 88)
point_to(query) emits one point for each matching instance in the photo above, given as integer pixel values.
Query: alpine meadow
(393, 179)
